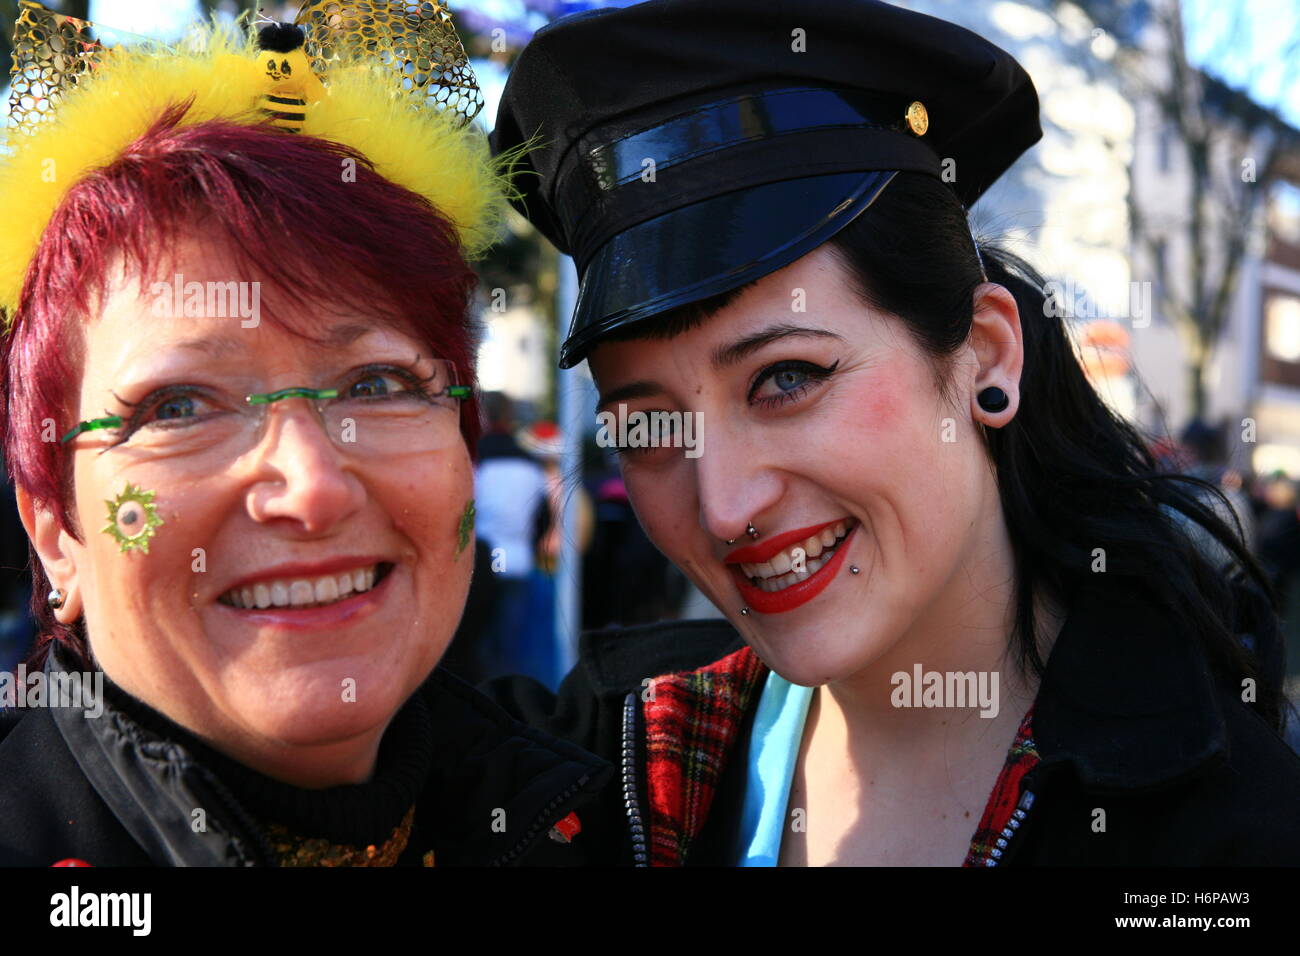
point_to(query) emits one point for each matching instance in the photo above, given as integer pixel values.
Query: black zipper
(631, 795)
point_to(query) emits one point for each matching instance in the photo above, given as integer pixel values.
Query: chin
(316, 707)
(803, 657)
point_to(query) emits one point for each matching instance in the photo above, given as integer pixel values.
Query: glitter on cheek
(132, 518)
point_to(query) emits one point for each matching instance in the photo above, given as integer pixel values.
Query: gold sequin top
(294, 850)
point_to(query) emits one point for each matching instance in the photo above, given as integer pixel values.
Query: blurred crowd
(520, 491)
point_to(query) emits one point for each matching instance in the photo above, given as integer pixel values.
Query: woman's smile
(306, 587)
(366, 596)
(792, 568)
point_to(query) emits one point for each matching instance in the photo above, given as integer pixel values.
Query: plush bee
(290, 82)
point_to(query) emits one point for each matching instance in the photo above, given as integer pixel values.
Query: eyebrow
(723, 356)
(639, 389)
(226, 345)
(727, 355)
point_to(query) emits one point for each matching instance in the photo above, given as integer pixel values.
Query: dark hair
(1072, 475)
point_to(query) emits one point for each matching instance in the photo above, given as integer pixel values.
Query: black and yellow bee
(291, 84)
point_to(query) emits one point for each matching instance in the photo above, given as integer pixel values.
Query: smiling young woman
(964, 625)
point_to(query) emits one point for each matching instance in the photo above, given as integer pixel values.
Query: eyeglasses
(378, 409)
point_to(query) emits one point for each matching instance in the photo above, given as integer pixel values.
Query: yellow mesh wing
(51, 52)
(415, 40)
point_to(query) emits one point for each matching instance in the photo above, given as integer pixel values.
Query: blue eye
(789, 379)
(369, 387)
(793, 380)
(169, 407)
(182, 406)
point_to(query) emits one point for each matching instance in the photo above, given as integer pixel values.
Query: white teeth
(302, 591)
(327, 589)
(779, 573)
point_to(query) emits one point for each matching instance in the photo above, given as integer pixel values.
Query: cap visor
(709, 248)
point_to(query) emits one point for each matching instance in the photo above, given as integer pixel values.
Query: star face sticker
(466, 528)
(132, 517)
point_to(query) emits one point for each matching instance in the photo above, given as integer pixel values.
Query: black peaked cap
(760, 151)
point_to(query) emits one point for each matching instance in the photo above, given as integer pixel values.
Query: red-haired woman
(253, 345)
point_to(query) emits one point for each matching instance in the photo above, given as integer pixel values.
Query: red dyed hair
(287, 214)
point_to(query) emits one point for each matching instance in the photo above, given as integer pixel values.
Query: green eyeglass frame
(260, 398)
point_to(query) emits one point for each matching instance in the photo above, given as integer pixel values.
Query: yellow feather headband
(389, 79)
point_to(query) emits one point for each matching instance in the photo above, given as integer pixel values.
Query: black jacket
(1128, 720)
(113, 791)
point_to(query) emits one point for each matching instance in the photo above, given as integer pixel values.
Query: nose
(736, 484)
(299, 473)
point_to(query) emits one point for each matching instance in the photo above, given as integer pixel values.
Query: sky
(1256, 63)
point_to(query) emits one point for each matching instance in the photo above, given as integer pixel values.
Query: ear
(54, 547)
(998, 343)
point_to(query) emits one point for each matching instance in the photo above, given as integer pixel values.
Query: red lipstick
(796, 595)
(758, 553)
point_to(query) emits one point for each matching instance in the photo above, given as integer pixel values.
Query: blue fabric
(773, 750)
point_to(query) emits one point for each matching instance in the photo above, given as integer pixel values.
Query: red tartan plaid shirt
(693, 724)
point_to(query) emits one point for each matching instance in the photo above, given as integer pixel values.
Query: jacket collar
(491, 769)
(1126, 699)
(484, 761)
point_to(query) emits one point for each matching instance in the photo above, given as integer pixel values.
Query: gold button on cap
(918, 120)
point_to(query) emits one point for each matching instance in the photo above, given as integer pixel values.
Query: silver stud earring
(56, 598)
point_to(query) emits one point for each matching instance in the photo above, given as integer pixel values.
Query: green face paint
(466, 527)
(132, 517)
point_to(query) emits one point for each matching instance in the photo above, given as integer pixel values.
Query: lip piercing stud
(744, 612)
(731, 541)
(751, 530)
(853, 569)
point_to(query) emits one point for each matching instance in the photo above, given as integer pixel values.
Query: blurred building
(1248, 258)
(513, 355)
(1275, 308)
(1103, 206)
(1064, 206)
